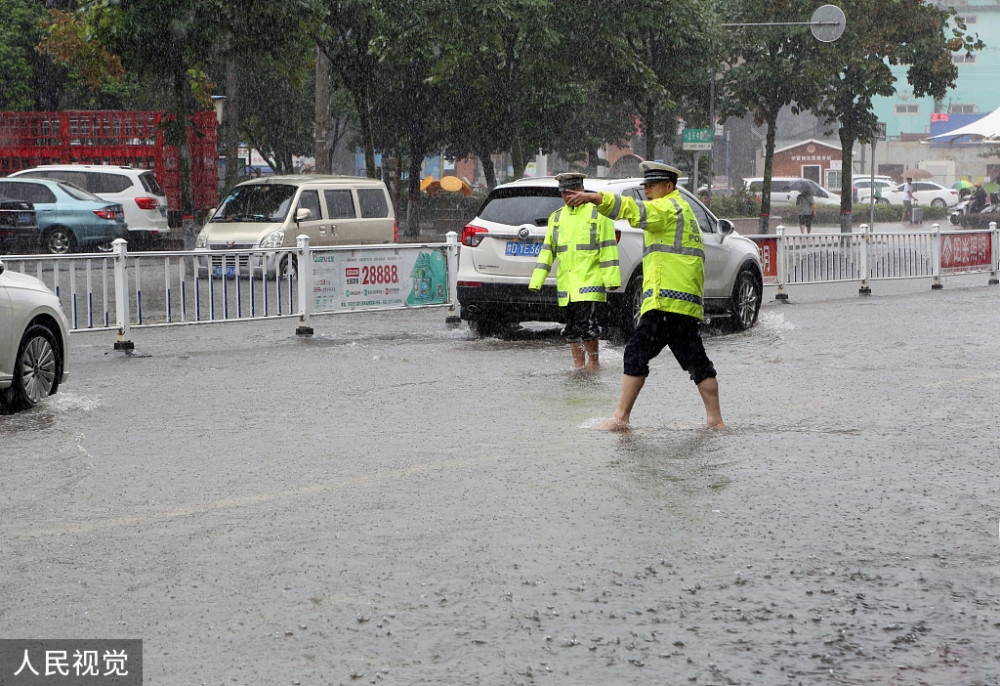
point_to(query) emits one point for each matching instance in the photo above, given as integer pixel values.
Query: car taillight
(105, 214)
(618, 235)
(395, 231)
(147, 203)
(473, 235)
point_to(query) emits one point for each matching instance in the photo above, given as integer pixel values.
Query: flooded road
(394, 501)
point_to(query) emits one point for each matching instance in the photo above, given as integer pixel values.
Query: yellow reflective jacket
(584, 243)
(673, 261)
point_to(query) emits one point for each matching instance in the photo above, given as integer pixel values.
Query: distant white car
(136, 190)
(863, 187)
(34, 340)
(924, 193)
(784, 190)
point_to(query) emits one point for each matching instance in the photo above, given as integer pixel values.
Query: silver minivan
(271, 212)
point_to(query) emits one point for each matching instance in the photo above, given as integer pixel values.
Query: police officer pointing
(673, 280)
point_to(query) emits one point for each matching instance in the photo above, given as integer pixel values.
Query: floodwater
(394, 501)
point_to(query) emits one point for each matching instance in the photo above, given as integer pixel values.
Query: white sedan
(33, 341)
(924, 193)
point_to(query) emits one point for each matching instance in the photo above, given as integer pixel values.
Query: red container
(28, 139)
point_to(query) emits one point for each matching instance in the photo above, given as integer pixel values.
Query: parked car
(500, 246)
(68, 218)
(924, 193)
(34, 341)
(784, 192)
(17, 222)
(862, 187)
(136, 190)
(271, 212)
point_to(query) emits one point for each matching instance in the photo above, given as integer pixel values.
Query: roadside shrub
(735, 205)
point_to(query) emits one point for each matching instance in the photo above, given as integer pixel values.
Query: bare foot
(613, 424)
(716, 425)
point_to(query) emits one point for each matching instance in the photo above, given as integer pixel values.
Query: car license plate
(230, 270)
(163, 211)
(25, 218)
(521, 248)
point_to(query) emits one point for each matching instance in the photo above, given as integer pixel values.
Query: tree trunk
(413, 188)
(183, 150)
(231, 119)
(517, 160)
(847, 166)
(489, 171)
(765, 192)
(321, 128)
(649, 132)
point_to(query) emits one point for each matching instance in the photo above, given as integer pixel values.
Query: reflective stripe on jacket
(582, 244)
(673, 261)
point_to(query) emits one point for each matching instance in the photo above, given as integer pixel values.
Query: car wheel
(288, 267)
(59, 240)
(489, 325)
(883, 201)
(626, 316)
(938, 202)
(37, 368)
(745, 304)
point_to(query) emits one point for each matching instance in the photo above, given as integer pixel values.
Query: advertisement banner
(376, 279)
(966, 252)
(768, 249)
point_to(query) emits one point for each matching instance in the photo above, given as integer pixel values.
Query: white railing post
(122, 315)
(305, 285)
(452, 253)
(936, 259)
(865, 241)
(780, 257)
(995, 238)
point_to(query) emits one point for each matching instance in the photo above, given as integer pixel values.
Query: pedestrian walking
(673, 282)
(587, 266)
(908, 200)
(807, 210)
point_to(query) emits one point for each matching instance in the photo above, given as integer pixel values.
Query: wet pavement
(394, 501)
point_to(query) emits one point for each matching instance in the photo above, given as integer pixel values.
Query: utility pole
(321, 132)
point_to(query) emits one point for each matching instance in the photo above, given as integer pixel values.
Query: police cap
(654, 172)
(570, 180)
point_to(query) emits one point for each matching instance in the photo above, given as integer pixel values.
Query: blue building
(975, 94)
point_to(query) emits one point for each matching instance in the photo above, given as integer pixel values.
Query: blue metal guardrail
(120, 290)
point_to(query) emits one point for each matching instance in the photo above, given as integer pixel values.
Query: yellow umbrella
(455, 184)
(428, 183)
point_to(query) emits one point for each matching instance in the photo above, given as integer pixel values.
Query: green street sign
(697, 139)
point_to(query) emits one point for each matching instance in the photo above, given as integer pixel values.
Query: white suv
(136, 190)
(500, 247)
(34, 341)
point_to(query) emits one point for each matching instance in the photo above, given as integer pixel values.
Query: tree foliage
(19, 32)
(879, 36)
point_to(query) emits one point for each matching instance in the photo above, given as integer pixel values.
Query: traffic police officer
(673, 281)
(582, 243)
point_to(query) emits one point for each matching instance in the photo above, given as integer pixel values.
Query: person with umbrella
(908, 200)
(806, 205)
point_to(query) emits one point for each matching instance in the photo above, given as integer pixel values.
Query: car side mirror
(303, 213)
(2, 267)
(725, 227)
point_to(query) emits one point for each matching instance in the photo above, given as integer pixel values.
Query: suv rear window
(103, 182)
(150, 183)
(517, 206)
